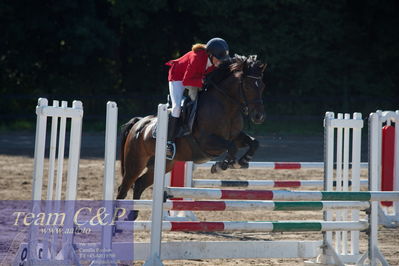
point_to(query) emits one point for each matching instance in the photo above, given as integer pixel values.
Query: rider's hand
(192, 88)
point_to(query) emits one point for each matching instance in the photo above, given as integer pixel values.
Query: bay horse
(233, 90)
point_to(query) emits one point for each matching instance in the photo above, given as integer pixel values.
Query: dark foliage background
(339, 55)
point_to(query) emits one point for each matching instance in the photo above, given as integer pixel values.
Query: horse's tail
(125, 131)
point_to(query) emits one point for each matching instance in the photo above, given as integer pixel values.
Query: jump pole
(237, 205)
(212, 183)
(280, 165)
(232, 226)
(236, 194)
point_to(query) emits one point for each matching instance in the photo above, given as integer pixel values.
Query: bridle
(244, 97)
(243, 101)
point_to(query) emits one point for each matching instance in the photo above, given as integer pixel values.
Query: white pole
(328, 176)
(374, 161)
(378, 136)
(356, 153)
(37, 182)
(61, 152)
(73, 170)
(339, 237)
(109, 172)
(74, 152)
(345, 179)
(158, 189)
(50, 182)
(53, 148)
(40, 143)
(60, 169)
(396, 166)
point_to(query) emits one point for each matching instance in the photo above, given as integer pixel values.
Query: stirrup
(170, 150)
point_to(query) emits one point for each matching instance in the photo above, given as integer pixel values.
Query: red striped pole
(387, 160)
(287, 183)
(287, 166)
(199, 205)
(247, 194)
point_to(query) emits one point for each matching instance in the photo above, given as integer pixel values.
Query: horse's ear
(238, 65)
(263, 67)
(253, 58)
(238, 69)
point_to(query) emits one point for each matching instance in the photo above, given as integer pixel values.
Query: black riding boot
(171, 146)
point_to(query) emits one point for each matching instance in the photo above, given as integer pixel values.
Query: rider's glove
(192, 88)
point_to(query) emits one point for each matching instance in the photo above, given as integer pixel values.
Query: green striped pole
(280, 226)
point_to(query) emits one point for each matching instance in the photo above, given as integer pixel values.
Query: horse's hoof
(216, 168)
(132, 216)
(224, 165)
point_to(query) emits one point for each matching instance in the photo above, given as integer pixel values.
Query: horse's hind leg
(133, 170)
(144, 182)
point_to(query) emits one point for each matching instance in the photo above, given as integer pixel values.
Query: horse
(233, 90)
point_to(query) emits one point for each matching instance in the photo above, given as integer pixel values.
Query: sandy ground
(16, 184)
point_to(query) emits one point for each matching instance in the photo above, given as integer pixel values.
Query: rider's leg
(176, 90)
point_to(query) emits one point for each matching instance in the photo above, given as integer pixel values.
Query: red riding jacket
(190, 68)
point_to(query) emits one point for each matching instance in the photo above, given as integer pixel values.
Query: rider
(188, 72)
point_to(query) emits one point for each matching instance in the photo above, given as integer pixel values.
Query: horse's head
(249, 71)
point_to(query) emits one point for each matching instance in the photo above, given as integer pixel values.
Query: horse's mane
(220, 73)
(236, 65)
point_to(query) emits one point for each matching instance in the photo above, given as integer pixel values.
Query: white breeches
(176, 90)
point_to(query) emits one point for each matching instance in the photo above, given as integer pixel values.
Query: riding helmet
(218, 48)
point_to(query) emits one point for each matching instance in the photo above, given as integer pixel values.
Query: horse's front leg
(228, 160)
(245, 140)
(215, 144)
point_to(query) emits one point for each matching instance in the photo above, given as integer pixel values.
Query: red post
(177, 176)
(387, 168)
